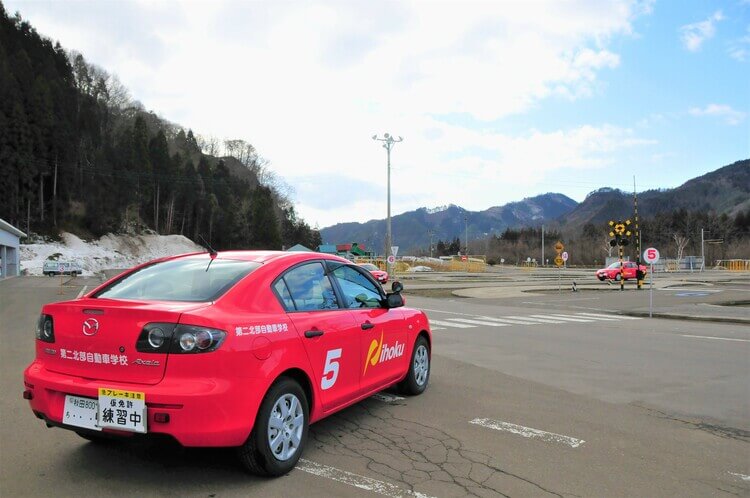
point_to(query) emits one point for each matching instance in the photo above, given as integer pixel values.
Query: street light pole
(388, 142)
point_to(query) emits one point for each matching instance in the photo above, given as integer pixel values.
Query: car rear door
(328, 332)
(382, 331)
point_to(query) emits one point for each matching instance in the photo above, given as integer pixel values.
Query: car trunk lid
(96, 338)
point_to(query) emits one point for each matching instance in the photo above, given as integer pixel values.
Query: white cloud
(725, 112)
(308, 84)
(739, 49)
(693, 35)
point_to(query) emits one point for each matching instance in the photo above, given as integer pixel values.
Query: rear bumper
(202, 411)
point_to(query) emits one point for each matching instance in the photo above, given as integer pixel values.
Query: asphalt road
(524, 400)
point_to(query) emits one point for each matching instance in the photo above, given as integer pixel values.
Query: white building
(9, 249)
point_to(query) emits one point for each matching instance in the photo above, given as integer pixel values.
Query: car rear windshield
(184, 279)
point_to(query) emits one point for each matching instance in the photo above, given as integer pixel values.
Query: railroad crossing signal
(620, 233)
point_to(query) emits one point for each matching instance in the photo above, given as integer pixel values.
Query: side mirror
(397, 286)
(394, 301)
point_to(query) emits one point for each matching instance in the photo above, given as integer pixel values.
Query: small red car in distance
(380, 275)
(612, 272)
(241, 349)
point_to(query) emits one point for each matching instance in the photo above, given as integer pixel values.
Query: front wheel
(278, 437)
(419, 369)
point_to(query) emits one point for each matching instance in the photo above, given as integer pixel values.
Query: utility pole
(542, 245)
(703, 254)
(431, 233)
(388, 142)
(638, 274)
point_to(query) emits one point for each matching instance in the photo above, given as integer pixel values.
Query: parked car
(612, 272)
(380, 275)
(51, 268)
(239, 349)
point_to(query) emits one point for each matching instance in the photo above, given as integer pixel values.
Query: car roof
(263, 257)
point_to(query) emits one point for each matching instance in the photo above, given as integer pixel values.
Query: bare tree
(681, 242)
(607, 247)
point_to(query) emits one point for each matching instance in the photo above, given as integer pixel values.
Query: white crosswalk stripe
(451, 324)
(478, 322)
(566, 318)
(510, 321)
(619, 317)
(474, 321)
(537, 320)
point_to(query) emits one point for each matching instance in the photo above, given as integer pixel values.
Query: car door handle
(367, 326)
(313, 333)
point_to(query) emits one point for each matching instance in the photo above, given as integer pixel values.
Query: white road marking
(537, 320)
(451, 324)
(447, 312)
(527, 432)
(82, 291)
(565, 318)
(478, 322)
(741, 476)
(386, 398)
(356, 480)
(512, 321)
(609, 317)
(716, 338)
(436, 328)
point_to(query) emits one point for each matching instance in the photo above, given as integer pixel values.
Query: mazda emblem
(90, 326)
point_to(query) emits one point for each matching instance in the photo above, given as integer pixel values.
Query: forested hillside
(77, 153)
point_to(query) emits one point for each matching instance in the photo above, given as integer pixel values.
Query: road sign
(528, 260)
(559, 246)
(391, 259)
(502, 260)
(564, 256)
(651, 255)
(61, 268)
(464, 258)
(559, 261)
(394, 251)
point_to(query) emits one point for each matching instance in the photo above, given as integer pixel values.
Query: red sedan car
(380, 275)
(241, 349)
(612, 272)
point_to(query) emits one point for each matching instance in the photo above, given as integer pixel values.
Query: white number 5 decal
(331, 367)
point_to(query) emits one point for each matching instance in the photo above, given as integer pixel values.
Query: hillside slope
(725, 190)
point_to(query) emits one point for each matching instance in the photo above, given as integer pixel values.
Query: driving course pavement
(527, 397)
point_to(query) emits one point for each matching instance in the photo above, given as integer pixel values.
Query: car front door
(383, 335)
(328, 332)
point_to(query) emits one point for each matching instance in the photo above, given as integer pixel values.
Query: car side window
(309, 288)
(358, 290)
(283, 292)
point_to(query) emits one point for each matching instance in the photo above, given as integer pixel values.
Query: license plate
(81, 412)
(122, 410)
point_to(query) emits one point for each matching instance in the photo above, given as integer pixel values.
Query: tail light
(45, 328)
(176, 338)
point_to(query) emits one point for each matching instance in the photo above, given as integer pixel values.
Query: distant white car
(52, 268)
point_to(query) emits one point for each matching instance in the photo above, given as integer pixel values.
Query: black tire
(618, 277)
(601, 279)
(409, 385)
(256, 454)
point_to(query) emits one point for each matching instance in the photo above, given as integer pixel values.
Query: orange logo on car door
(373, 355)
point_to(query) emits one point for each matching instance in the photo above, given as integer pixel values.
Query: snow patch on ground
(110, 251)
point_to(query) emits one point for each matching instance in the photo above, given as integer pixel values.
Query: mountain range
(725, 190)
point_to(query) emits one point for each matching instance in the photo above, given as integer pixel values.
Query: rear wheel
(419, 369)
(618, 277)
(278, 437)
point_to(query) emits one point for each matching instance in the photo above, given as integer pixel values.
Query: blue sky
(496, 101)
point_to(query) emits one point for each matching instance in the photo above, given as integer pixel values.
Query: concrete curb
(670, 316)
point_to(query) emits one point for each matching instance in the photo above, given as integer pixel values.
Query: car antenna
(211, 251)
